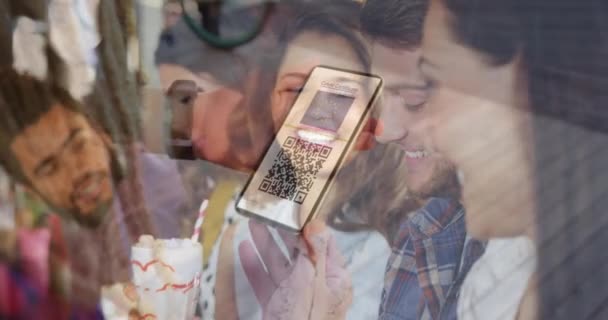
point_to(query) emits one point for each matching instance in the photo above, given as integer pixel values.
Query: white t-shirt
(496, 283)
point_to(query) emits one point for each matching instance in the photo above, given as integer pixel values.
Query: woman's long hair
(564, 49)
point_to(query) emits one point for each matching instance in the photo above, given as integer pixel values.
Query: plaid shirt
(427, 263)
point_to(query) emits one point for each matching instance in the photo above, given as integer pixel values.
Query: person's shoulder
(367, 243)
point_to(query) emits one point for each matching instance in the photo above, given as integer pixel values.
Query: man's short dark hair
(23, 101)
(395, 23)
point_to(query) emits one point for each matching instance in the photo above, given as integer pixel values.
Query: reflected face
(209, 110)
(478, 118)
(429, 173)
(67, 163)
(306, 51)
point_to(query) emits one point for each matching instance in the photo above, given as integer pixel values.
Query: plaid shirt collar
(425, 262)
(436, 216)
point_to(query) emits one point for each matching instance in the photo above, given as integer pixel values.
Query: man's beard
(443, 183)
(91, 218)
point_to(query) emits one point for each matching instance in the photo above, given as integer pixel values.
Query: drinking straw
(199, 221)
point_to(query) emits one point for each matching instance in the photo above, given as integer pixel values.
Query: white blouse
(496, 283)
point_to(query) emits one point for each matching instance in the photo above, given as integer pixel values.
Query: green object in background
(29, 203)
(209, 33)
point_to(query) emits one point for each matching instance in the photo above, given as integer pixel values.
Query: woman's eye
(296, 90)
(413, 100)
(78, 145)
(48, 169)
(415, 107)
(186, 99)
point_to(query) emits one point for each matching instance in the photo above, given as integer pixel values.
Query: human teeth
(416, 154)
(315, 137)
(92, 188)
(460, 176)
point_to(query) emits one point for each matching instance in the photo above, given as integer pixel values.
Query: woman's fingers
(262, 284)
(332, 284)
(273, 258)
(293, 242)
(335, 260)
(316, 236)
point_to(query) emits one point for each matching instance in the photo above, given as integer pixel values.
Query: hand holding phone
(311, 283)
(323, 125)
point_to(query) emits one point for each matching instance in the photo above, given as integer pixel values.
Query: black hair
(563, 46)
(23, 101)
(36, 10)
(394, 23)
(6, 34)
(562, 43)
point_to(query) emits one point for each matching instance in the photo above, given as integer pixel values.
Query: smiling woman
(319, 34)
(316, 33)
(519, 104)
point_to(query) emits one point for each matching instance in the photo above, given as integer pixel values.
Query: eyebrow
(294, 74)
(398, 87)
(46, 161)
(427, 62)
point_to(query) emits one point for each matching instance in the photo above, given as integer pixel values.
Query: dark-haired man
(49, 145)
(431, 251)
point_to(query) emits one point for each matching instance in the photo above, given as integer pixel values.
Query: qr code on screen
(295, 169)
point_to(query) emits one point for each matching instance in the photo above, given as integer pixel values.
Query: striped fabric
(425, 262)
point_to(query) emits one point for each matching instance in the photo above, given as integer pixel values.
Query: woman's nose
(425, 122)
(393, 122)
(389, 133)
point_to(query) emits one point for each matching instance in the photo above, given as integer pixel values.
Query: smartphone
(289, 185)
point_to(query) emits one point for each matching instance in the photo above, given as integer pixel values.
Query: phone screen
(301, 163)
